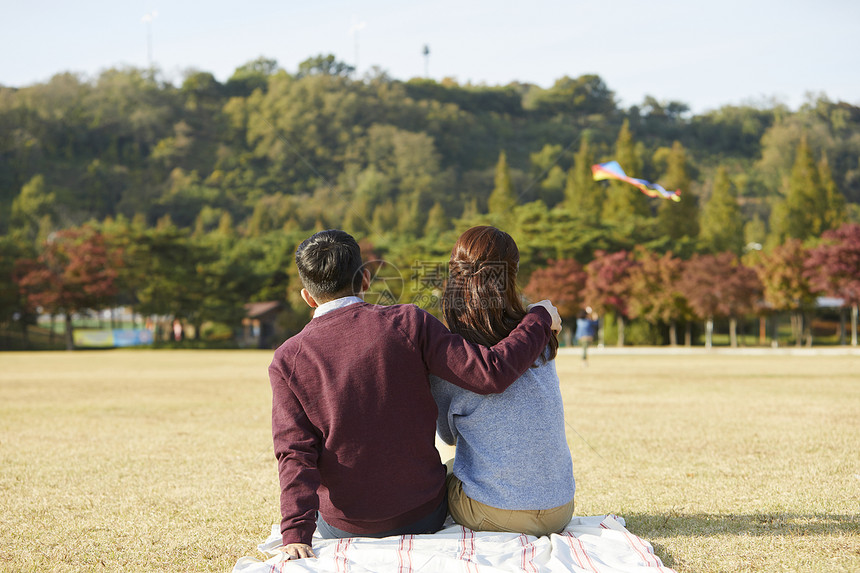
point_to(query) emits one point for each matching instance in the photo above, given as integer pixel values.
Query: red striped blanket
(596, 544)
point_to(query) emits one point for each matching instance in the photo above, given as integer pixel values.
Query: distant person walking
(586, 330)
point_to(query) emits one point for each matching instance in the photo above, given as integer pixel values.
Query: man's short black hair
(329, 264)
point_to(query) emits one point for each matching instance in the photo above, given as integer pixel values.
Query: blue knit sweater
(512, 451)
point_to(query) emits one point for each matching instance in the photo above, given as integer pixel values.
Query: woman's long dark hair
(482, 302)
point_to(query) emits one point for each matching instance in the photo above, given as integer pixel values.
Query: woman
(512, 469)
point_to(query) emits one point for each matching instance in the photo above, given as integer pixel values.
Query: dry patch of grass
(161, 461)
(725, 463)
(134, 461)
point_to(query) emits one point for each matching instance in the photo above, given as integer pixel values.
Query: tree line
(200, 192)
(164, 272)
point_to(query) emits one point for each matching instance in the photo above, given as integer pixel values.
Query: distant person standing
(586, 330)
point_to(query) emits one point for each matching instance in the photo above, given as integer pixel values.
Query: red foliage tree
(786, 285)
(655, 294)
(833, 267)
(607, 287)
(74, 272)
(719, 286)
(562, 282)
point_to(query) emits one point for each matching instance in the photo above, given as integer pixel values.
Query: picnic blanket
(595, 544)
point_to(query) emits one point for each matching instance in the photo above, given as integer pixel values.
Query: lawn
(161, 460)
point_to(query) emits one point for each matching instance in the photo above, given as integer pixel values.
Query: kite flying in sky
(612, 170)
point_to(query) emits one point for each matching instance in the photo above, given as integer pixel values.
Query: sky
(704, 54)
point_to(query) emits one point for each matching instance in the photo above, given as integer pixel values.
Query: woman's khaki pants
(481, 517)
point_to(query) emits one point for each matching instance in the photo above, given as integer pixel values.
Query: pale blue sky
(704, 54)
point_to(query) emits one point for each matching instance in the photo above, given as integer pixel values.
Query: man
(353, 419)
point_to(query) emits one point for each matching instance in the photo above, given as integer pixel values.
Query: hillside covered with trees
(194, 197)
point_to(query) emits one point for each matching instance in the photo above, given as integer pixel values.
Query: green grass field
(161, 461)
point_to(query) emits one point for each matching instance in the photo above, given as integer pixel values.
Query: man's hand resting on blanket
(553, 312)
(297, 550)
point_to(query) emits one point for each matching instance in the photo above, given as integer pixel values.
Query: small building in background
(259, 327)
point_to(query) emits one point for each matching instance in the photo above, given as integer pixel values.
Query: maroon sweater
(354, 422)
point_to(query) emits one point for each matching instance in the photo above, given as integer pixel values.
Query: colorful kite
(612, 170)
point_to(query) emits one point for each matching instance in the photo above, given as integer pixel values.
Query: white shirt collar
(335, 304)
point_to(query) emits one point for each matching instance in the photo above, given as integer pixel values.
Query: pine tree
(34, 210)
(225, 225)
(384, 217)
(583, 196)
(804, 204)
(550, 175)
(437, 221)
(358, 216)
(552, 186)
(778, 223)
(411, 214)
(470, 209)
(834, 201)
(722, 222)
(502, 200)
(623, 201)
(679, 219)
(755, 231)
